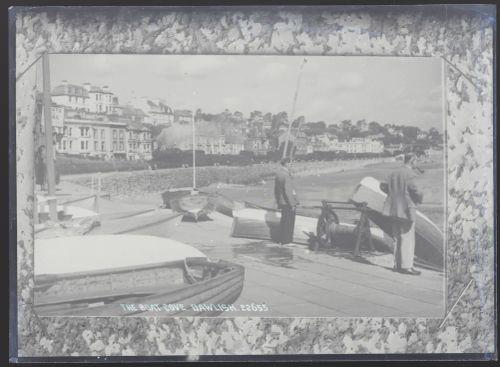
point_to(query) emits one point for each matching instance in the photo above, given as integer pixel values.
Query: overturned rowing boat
(429, 239)
(121, 275)
(265, 225)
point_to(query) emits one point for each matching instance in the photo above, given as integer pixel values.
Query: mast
(293, 108)
(194, 155)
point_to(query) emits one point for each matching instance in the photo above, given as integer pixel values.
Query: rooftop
(70, 90)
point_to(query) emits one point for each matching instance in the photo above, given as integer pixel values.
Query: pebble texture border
(462, 36)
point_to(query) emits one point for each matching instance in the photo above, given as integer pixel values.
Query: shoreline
(144, 184)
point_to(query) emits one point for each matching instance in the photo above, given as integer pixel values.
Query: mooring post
(363, 231)
(98, 192)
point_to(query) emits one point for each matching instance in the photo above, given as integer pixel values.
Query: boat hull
(174, 194)
(193, 207)
(154, 223)
(160, 299)
(429, 239)
(265, 225)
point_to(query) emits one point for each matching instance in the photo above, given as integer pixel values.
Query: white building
(71, 95)
(100, 99)
(157, 111)
(358, 145)
(87, 97)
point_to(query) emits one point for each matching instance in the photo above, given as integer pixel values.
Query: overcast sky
(399, 90)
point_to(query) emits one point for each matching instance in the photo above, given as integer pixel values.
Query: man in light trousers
(402, 198)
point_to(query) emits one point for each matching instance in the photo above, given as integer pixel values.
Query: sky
(395, 90)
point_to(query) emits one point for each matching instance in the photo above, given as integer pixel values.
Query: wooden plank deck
(294, 281)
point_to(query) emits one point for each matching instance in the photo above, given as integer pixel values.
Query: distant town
(90, 122)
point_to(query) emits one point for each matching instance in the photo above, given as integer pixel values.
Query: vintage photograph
(269, 186)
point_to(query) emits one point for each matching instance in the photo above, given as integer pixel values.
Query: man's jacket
(402, 195)
(284, 192)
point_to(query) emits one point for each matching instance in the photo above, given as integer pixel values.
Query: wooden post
(98, 192)
(49, 144)
(363, 232)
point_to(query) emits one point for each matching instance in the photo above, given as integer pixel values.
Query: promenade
(293, 281)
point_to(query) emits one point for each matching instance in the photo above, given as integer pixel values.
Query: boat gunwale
(235, 271)
(49, 278)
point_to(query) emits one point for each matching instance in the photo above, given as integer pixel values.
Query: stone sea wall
(128, 185)
(461, 36)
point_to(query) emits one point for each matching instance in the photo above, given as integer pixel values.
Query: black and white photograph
(262, 183)
(274, 186)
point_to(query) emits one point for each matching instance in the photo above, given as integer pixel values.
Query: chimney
(86, 86)
(64, 82)
(105, 88)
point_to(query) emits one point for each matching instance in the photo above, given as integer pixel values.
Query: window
(121, 134)
(114, 145)
(87, 145)
(70, 145)
(95, 133)
(70, 99)
(121, 146)
(114, 134)
(82, 145)
(64, 144)
(102, 133)
(96, 97)
(96, 148)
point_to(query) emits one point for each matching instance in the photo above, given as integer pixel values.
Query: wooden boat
(174, 194)
(193, 206)
(161, 223)
(86, 202)
(264, 224)
(121, 275)
(429, 239)
(189, 201)
(225, 205)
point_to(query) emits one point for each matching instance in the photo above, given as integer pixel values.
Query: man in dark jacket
(286, 199)
(402, 198)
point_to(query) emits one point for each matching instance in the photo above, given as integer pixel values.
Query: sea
(339, 186)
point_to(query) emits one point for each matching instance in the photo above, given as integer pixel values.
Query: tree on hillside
(346, 125)
(299, 121)
(375, 128)
(278, 119)
(256, 115)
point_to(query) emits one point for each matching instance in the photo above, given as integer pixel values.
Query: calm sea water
(340, 185)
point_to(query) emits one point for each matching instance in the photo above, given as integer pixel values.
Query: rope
(27, 68)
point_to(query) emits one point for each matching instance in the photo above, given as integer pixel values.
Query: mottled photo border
(463, 36)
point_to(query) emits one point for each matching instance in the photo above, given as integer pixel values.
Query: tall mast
(293, 108)
(194, 154)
